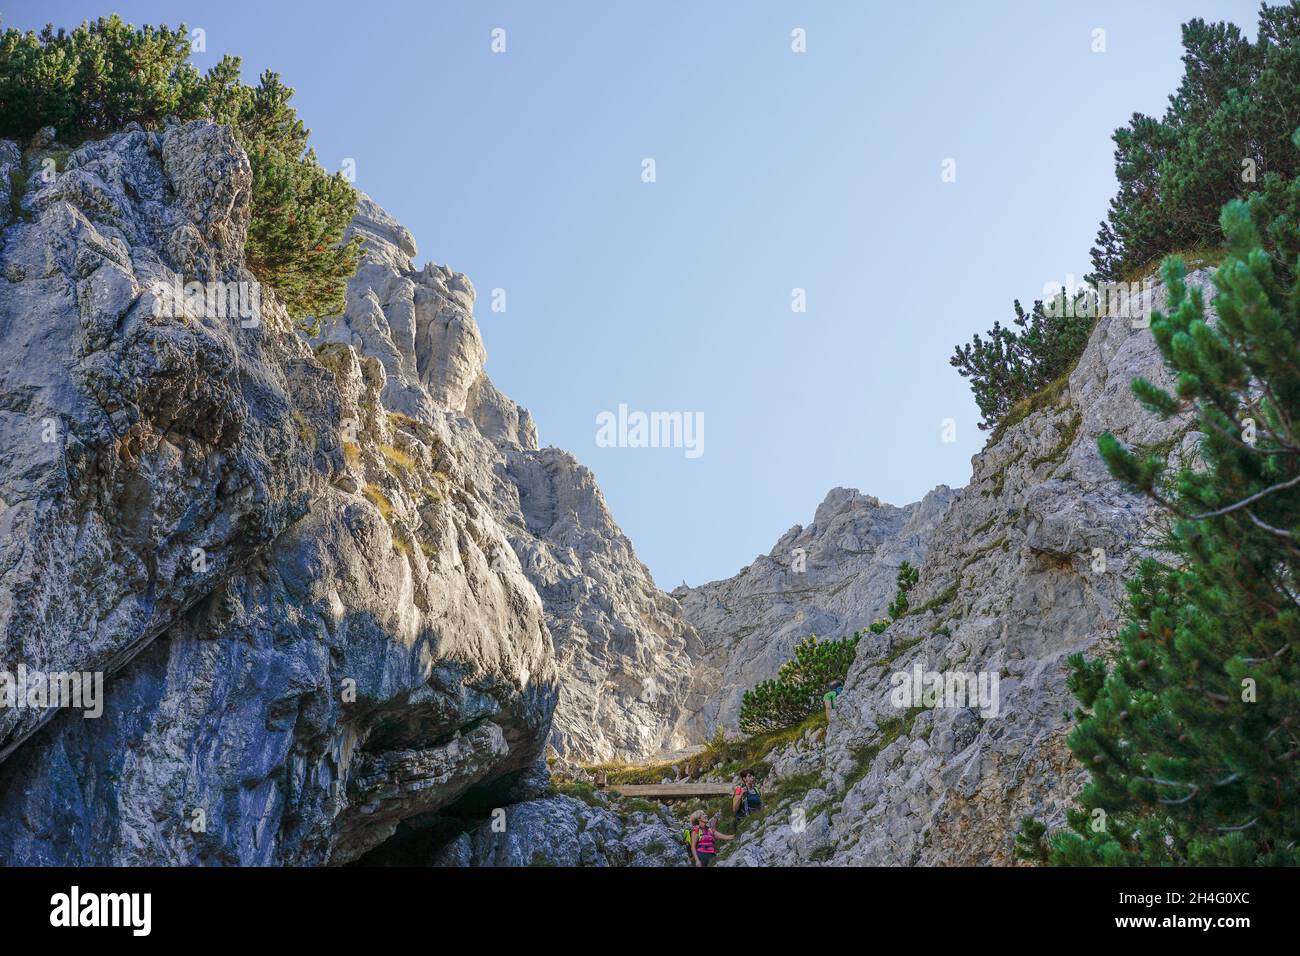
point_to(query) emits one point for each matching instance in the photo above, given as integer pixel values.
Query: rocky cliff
(830, 578)
(1028, 565)
(335, 585)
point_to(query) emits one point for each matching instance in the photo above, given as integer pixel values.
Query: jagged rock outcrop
(830, 578)
(622, 646)
(301, 567)
(1027, 566)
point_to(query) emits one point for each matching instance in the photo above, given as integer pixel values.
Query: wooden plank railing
(670, 791)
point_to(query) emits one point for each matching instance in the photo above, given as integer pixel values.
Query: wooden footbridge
(666, 791)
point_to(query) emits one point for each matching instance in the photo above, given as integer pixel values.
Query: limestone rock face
(622, 646)
(299, 563)
(418, 323)
(1027, 566)
(131, 439)
(830, 578)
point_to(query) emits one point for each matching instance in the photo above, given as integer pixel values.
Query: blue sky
(775, 170)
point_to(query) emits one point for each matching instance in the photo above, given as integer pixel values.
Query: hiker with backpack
(703, 839)
(746, 798)
(832, 697)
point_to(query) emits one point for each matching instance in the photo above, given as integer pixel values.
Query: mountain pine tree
(906, 580)
(93, 80)
(299, 210)
(796, 692)
(1228, 124)
(97, 78)
(1013, 364)
(1192, 739)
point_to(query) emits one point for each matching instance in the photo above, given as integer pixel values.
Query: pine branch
(1248, 501)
